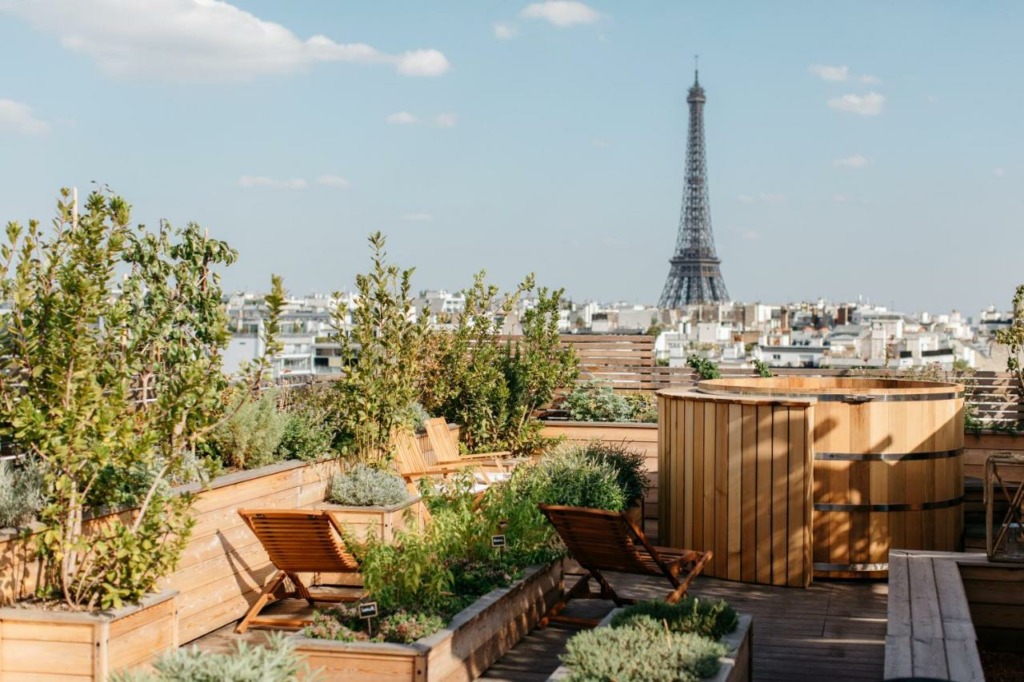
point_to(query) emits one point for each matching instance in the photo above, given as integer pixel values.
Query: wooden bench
(930, 632)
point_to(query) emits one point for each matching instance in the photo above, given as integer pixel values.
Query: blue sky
(870, 149)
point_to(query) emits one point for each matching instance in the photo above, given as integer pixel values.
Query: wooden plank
(764, 494)
(735, 485)
(748, 484)
(697, 500)
(779, 474)
(57, 658)
(798, 569)
(708, 489)
(31, 631)
(925, 618)
(956, 615)
(899, 615)
(720, 456)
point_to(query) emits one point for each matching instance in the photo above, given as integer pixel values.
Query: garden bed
(39, 644)
(737, 665)
(476, 637)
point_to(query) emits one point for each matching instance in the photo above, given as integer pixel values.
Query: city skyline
(855, 150)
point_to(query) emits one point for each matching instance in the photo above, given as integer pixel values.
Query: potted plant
(369, 501)
(110, 374)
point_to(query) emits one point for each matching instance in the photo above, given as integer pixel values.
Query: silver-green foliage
(365, 486)
(596, 401)
(21, 494)
(275, 662)
(712, 618)
(250, 437)
(643, 652)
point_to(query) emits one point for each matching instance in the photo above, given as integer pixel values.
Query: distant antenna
(696, 66)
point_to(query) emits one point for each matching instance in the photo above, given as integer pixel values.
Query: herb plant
(365, 486)
(712, 618)
(21, 493)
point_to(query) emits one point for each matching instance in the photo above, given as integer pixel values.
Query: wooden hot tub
(887, 466)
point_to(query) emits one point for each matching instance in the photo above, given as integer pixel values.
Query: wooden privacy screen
(735, 477)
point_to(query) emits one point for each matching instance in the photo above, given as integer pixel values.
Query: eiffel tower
(694, 276)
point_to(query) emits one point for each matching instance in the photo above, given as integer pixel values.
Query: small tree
(110, 359)
(1013, 338)
(381, 356)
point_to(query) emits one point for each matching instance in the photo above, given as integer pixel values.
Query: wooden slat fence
(628, 364)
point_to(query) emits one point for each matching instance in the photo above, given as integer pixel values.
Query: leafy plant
(343, 624)
(762, 369)
(21, 494)
(1013, 338)
(303, 438)
(712, 618)
(630, 467)
(381, 354)
(705, 368)
(110, 357)
(274, 662)
(250, 437)
(643, 407)
(596, 401)
(490, 385)
(364, 486)
(646, 653)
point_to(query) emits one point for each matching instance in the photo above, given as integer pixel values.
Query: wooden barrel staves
(888, 466)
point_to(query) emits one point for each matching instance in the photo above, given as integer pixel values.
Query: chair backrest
(446, 448)
(600, 539)
(301, 540)
(408, 458)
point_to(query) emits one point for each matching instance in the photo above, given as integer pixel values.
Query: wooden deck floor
(832, 631)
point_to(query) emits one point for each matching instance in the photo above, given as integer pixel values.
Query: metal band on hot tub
(892, 457)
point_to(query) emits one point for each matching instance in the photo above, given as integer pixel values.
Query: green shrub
(577, 479)
(343, 624)
(762, 369)
(304, 438)
(640, 654)
(643, 407)
(381, 352)
(21, 494)
(596, 401)
(492, 385)
(365, 486)
(629, 465)
(275, 662)
(250, 436)
(711, 618)
(705, 368)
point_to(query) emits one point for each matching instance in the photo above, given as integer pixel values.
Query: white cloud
(418, 217)
(830, 73)
(561, 13)
(17, 117)
(335, 181)
(198, 40)
(250, 181)
(999, 172)
(504, 31)
(446, 120)
(855, 161)
(402, 118)
(868, 79)
(864, 105)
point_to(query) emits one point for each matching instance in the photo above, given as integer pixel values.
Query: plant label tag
(497, 541)
(368, 610)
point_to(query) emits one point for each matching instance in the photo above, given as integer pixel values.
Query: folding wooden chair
(412, 465)
(297, 541)
(608, 541)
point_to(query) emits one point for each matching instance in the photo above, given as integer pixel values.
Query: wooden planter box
(475, 638)
(637, 436)
(36, 644)
(383, 522)
(736, 665)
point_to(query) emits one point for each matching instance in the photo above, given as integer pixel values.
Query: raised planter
(737, 665)
(978, 447)
(475, 638)
(382, 522)
(641, 437)
(37, 644)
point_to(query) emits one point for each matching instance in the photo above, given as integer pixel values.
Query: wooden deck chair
(608, 541)
(297, 541)
(412, 465)
(490, 466)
